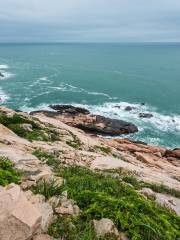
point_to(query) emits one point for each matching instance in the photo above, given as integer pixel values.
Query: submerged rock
(1, 74)
(129, 108)
(145, 115)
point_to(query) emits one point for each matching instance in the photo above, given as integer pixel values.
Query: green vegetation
(177, 178)
(74, 228)
(15, 123)
(49, 159)
(155, 187)
(101, 196)
(7, 173)
(106, 150)
(47, 189)
(73, 144)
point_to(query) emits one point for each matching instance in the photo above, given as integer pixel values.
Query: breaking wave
(152, 130)
(3, 96)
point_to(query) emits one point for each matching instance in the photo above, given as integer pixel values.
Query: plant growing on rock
(7, 172)
(48, 189)
(49, 159)
(15, 123)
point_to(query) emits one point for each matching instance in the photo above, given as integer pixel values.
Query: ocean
(104, 78)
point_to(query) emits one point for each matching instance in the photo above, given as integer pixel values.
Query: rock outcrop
(81, 118)
(106, 126)
(19, 219)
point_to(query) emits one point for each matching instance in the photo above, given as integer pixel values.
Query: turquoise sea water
(99, 77)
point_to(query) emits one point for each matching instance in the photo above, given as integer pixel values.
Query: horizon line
(91, 42)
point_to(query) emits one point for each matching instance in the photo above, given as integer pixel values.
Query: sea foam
(4, 66)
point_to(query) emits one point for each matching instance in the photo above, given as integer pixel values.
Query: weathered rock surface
(147, 192)
(44, 208)
(42, 237)
(27, 127)
(105, 226)
(19, 219)
(68, 207)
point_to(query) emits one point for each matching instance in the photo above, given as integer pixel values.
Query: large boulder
(106, 126)
(19, 219)
(44, 208)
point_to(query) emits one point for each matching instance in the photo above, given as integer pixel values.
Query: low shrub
(100, 196)
(7, 173)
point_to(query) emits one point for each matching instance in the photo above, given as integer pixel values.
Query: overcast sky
(89, 20)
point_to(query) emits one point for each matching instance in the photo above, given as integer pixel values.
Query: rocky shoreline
(81, 118)
(71, 183)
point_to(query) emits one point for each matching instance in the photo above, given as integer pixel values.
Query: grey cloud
(90, 20)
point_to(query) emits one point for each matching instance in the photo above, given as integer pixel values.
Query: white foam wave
(42, 106)
(7, 75)
(4, 66)
(64, 87)
(98, 94)
(3, 96)
(44, 79)
(151, 130)
(161, 122)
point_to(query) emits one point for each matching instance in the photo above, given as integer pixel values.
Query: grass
(74, 228)
(106, 150)
(75, 143)
(7, 173)
(101, 196)
(15, 124)
(47, 189)
(49, 159)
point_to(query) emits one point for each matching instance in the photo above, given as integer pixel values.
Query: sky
(90, 21)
